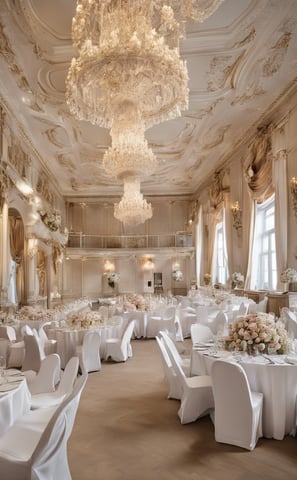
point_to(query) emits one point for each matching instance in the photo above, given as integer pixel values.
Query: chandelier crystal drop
(133, 209)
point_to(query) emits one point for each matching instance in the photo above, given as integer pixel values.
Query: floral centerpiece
(237, 280)
(85, 320)
(136, 302)
(113, 278)
(29, 312)
(207, 278)
(177, 275)
(288, 276)
(258, 332)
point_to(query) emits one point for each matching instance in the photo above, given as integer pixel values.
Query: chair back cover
(235, 420)
(8, 332)
(45, 380)
(169, 373)
(34, 353)
(200, 333)
(90, 352)
(68, 377)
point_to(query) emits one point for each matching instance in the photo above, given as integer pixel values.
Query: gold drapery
(258, 171)
(16, 238)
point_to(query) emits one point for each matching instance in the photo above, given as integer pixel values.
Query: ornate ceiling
(241, 61)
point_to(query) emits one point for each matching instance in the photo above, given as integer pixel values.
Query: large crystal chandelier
(128, 76)
(132, 209)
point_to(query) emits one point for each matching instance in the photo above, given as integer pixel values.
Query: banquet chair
(169, 373)
(26, 330)
(185, 363)
(197, 397)
(46, 378)
(238, 410)
(119, 349)
(242, 310)
(49, 346)
(157, 323)
(140, 323)
(34, 353)
(201, 333)
(88, 352)
(103, 311)
(68, 377)
(219, 325)
(290, 321)
(258, 307)
(35, 447)
(15, 350)
(202, 314)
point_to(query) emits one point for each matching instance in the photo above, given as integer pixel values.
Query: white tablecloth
(14, 400)
(278, 383)
(69, 338)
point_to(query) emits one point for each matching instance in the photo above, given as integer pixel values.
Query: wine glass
(2, 368)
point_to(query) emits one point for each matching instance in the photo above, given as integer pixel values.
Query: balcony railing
(80, 240)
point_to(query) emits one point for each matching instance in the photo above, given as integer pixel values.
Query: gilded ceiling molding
(43, 189)
(18, 158)
(216, 191)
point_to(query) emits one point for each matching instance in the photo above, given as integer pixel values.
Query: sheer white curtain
(279, 176)
(251, 245)
(199, 245)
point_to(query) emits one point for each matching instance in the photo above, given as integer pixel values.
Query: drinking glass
(2, 369)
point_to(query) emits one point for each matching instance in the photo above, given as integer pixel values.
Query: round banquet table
(15, 399)
(277, 382)
(69, 338)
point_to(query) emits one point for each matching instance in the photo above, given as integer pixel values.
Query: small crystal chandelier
(133, 209)
(129, 154)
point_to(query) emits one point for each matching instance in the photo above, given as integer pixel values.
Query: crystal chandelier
(133, 209)
(128, 76)
(129, 154)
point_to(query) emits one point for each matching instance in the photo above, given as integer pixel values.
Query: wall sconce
(294, 193)
(108, 266)
(237, 215)
(148, 264)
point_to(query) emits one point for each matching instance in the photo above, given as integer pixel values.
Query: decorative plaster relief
(273, 63)
(217, 137)
(43, 190)
(222, 71)
(17, 157)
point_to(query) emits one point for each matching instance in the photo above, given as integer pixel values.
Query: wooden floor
(127, 429)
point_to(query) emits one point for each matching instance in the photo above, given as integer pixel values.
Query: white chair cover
(36, 446)
(200, 333)
(34, 353)
(88, 352)
(49, 346)
(169, 373)
(290, 320)
(238, 411)
(119, 349)
(197, 398)
(185, 363)
(219, 326)
(45, 379)
(42, 400)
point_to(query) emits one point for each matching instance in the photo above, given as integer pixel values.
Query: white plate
(6, 387)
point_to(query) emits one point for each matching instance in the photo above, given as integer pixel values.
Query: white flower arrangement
(113, 278)
(258, 332)
(289, 275)
(177, 275)
(85, 320)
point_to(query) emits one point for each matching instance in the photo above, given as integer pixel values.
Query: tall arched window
(264, 268)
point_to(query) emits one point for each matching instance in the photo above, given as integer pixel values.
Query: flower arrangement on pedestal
(237, 280)
(258, 332)
(112, 279)
(177, 275)
(207, 278)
